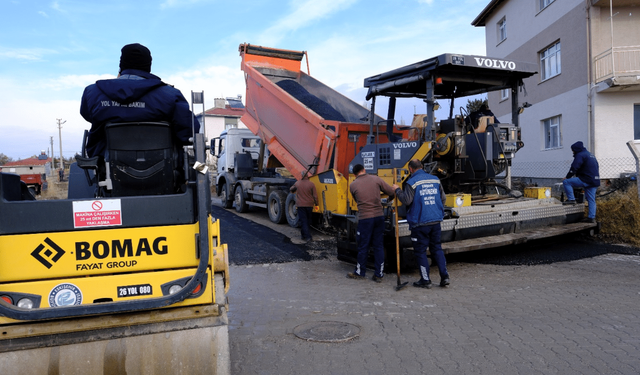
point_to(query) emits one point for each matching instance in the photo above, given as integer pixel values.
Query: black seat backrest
(141, 158)
(13, 189)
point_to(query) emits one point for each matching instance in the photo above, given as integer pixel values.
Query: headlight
(25, 303)
(174, 289)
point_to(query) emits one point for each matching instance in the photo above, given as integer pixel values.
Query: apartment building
(588, 83)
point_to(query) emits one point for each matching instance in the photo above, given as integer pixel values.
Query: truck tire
(227, 201)
(275, 206)
(291, 211)
(240, 201)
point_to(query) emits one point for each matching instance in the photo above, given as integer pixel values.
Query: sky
(51, 50)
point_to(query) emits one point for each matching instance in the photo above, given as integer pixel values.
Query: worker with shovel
(366, 191)
(424, 198)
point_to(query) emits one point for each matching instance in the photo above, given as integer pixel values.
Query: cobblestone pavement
(575, 317)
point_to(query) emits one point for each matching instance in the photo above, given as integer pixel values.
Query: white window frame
(550, 61)
(552, 132)
(230, 123)
(504, 94)
(502, 29)
(545, 3)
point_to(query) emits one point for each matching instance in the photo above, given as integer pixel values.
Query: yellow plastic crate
(537, 192)
(458, 200)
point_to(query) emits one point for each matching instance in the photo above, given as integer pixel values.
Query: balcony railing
(621, 61)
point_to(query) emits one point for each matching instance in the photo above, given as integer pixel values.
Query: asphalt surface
(565, 306)
(253, 243)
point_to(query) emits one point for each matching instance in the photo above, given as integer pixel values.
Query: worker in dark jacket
(135, 95)
(475, 116)
(306, 199)
(587, 176)
(424, 198)
(366, 191)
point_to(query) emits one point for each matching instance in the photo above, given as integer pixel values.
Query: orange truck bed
(302, 121)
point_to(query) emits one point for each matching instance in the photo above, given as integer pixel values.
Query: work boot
(588, 220)
(423, 284)
(569, 203)
(444, 282)
(353, 275)
(377, 279)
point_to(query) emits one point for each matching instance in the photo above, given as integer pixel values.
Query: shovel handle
(395, 204)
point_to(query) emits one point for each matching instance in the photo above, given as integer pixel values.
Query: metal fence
(609, 168)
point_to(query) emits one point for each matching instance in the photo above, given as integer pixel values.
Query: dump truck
(311, 129)
(305, 127)
(129, 274)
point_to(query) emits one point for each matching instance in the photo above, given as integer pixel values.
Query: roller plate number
(134, 290)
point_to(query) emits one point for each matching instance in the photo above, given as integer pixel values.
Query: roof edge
(482, 17)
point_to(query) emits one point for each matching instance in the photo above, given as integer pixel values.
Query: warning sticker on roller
(97, 213)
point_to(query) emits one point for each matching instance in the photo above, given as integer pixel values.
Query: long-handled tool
(400, 284)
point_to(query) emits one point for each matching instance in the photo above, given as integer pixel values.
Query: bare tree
(4, 159)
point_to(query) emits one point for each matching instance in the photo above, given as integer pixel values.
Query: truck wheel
(227, 202)
(240, 201)
(291, 210)
(275, 206)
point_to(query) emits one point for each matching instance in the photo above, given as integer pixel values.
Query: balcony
(618, 69)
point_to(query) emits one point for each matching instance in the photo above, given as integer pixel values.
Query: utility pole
(60, 122)
(53, 160)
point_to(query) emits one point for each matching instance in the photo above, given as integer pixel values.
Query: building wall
(613, 116)
(524, 22)
(626, 27)
(529, 31)
(613, 110)
(533, 160)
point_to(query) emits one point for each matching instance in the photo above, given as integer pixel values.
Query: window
(230, 122)
(385, 156)
(250, 142)
(504, 94)
(636, 121)
(221, 148)
(545, 3)
(551, 132)
(502, 29)
(550, 62)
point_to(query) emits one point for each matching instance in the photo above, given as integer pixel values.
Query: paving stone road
(578, 317)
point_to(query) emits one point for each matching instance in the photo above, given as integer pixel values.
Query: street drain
(327, 331)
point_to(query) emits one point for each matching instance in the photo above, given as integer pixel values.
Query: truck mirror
(212, 147)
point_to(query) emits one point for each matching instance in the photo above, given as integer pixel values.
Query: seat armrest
(88, 163)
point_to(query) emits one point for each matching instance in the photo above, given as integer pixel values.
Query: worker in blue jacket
(587, 176)
(135, 95)
(424, 198)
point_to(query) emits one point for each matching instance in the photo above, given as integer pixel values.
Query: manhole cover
(327, 331)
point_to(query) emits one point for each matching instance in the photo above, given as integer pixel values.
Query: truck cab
(243, 178)
(231, 142)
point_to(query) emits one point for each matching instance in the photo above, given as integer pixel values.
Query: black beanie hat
(135, 56)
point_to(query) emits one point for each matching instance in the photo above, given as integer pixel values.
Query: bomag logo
(127, 248)
(47, 255)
